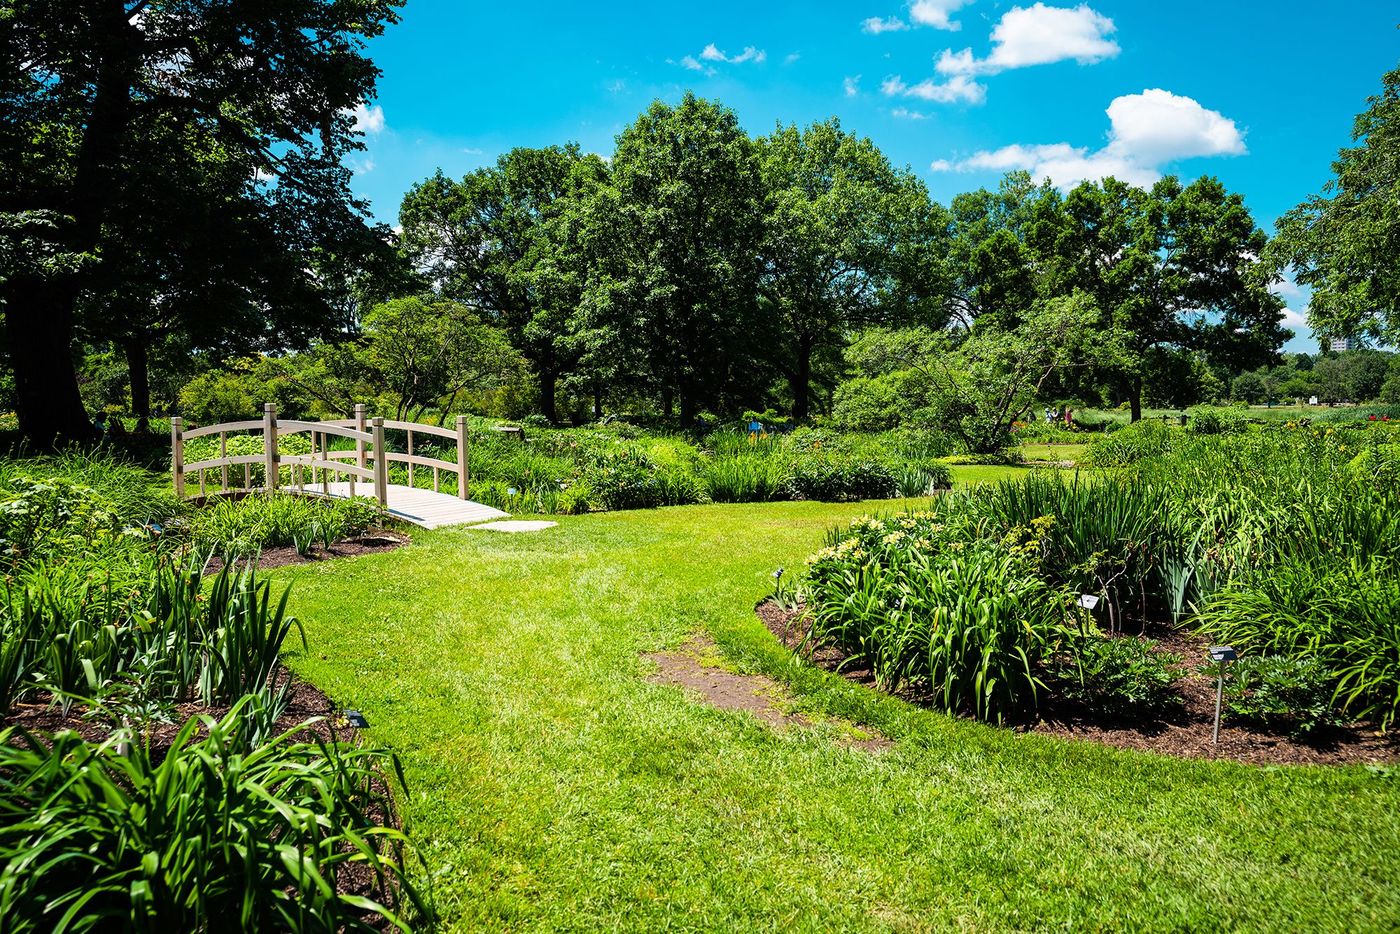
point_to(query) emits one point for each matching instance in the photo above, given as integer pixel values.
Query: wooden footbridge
(364, 466)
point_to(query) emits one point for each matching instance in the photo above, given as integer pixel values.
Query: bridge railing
(369, 459)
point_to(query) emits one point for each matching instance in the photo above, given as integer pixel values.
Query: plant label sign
(1088, 600)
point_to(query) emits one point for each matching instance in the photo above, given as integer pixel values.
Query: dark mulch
(348, 548)
(1185, 733)
(306, 703)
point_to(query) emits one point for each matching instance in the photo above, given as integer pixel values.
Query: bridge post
(381, 465)
(463, 464)
(360, 426)
(177, 454)
(270, 464)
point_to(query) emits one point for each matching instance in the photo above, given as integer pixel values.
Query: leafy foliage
(221, 831)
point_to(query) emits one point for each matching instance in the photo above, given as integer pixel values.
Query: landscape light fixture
(778, 575)
(356, 719)
(1221, 655)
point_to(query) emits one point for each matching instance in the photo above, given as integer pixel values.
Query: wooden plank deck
(421, 507)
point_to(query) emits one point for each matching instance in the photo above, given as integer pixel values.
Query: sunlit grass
(553, 786)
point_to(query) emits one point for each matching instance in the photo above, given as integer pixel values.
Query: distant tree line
(177, 231)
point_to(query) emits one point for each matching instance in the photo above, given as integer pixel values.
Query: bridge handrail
(417, 428)
(370, 449)
(222, 428)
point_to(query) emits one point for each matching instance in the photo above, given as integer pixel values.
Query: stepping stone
(517, 525)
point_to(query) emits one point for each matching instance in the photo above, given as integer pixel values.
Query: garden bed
(1185, 733)
(305, 703)
(284, 555)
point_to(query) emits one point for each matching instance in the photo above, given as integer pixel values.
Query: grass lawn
(552, 787)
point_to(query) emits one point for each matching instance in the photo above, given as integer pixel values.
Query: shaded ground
(1185, 733)
(695, 668)
(287, 554)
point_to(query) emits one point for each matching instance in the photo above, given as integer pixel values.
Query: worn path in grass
(554, 787)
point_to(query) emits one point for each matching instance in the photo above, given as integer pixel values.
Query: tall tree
(92, 91)
(501, 239)
(1175, 267)
(672, 299)
(1345, 242)
(849, 241)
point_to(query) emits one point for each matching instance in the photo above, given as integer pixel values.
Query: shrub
(741, 478)
(968, 621)
(1346, 615)
(216, 834)
(838, 479)
(1121, 677)
(1278, 692)
(1211, 420)
(1132, 444)
(169, 637)
(243, 527)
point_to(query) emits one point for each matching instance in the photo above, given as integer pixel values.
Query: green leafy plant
(1120, 676)
(219, 832)
(1294, 694)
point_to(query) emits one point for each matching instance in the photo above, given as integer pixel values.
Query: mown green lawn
(552, 787)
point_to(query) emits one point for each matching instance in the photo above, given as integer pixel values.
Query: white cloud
(851, 85)
(904, 113)
(956, 88)
(874, 25)
(368, 119)
(691, 62)
(1159, 126)
(616, 86)
(1146, 131)
(1038, 35)
(935, 13)
(792, 57)
(711, 53)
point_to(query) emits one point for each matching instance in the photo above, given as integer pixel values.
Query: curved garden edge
(1185, 734)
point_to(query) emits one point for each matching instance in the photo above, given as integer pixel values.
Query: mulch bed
(1185, 733)
(348, 548)
(305, 703)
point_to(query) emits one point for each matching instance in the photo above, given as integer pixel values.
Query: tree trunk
(39, 327)
(1135, 397)
(801, 382)
(548, 393)
(39, 314)
(138, 372)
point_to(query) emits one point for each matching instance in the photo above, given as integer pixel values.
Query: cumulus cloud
(936, 13)
(1038, 35)
(368, 119)
(851, 85)
(1146, 131)
(874, 25)
(904, 113)
(957, 88)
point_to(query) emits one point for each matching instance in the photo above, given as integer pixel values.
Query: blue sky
(1260, 95)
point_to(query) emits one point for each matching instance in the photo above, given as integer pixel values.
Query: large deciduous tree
(849, 241)
(503, 240)
(1345, 242)
(675, 239)
(1174, 267)
(237, 115)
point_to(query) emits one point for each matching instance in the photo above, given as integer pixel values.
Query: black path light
(1221, 655)
(356, 719)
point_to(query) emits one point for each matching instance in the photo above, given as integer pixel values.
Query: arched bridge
(347, 458)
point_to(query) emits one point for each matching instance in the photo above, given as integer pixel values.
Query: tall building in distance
(1343, 344)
